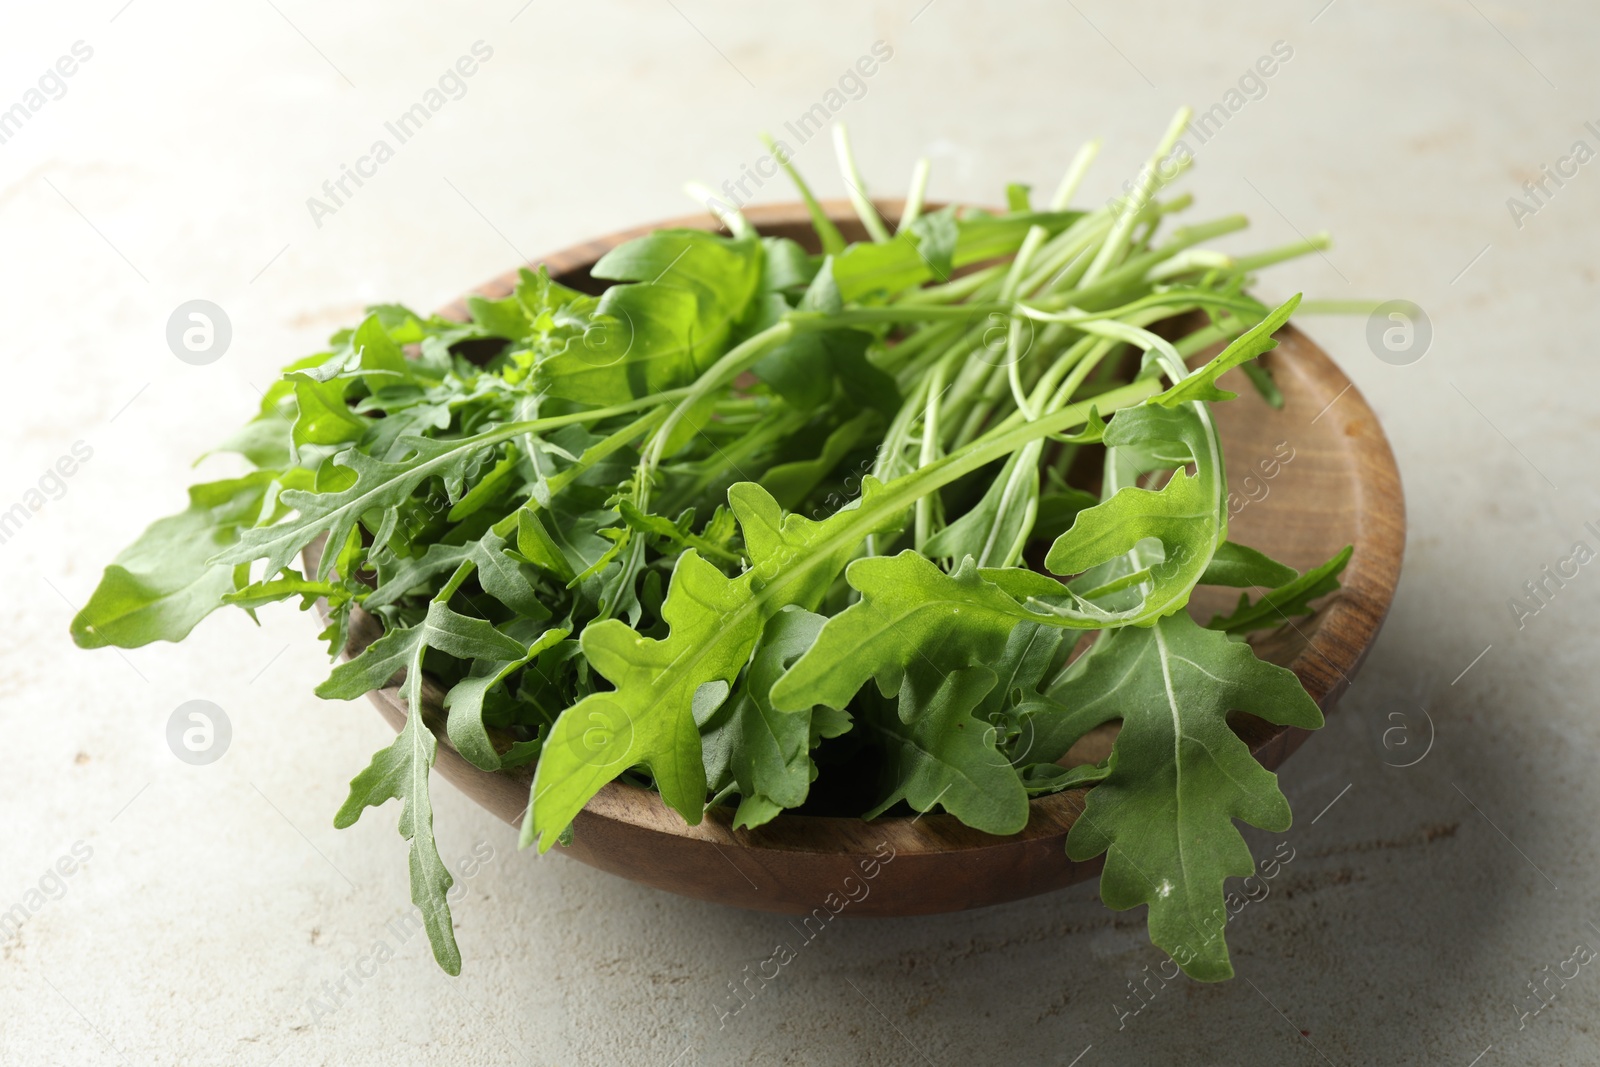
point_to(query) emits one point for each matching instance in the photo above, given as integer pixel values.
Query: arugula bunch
(668, 534)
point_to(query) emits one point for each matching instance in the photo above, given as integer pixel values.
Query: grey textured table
(212, 914)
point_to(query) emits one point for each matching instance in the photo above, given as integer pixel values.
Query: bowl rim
(1352, 618)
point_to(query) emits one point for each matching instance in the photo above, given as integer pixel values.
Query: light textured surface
(218, 900)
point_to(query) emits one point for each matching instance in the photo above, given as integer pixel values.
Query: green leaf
(260, 594)
(396, 651)
(720, 273)
(162, 585)
(380, 486)
(505, 578)
(1040, 779)
(678, 532)
(378, 353)
(750, 744)
(714, 623)
(323, 417)
(499, 318)
(489, 488)
(641, 340)
(801, 368)
(785, 265)
(1287, 601)
(891, 266)
(1093, 432)
(1186, 516)
(790, 483)
(1240, 566)
(647, 719)
(510, 317)
(465, 726)
(398, 576)
(400, 772)
(996, 529)
(536, 545)
(938, 235)
(944, 755)
(910, 612)
(1164, 816)
(1202, 384)
(1035, 726)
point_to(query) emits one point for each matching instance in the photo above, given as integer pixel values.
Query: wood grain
(1341, 487)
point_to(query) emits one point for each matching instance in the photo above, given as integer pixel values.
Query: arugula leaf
(1037, 727)
(899, 264)
(535, 544)
(465, 726)
(995, 530)
(489, 489)
(648, 718)
(399, 648)
(910, 612)
(260, 594)
(504, 578)
(714, 624)
(376, 352)
(677, 531)
(400, 772)
(398, 575)
(940, 753)
(379, 485)
(1288, 600)
(1164, 815)
(640, 340)
(749, 744)
(1040, 779)
(1241, 566)
(162, 585)
(720, 273)
(790, 483)
(938, 235)
(1202, 384)
(1186, 515)
(785, 265)
(323, 416)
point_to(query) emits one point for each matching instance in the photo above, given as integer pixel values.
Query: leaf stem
(832, 240)
(915, 195)
(865, 209)
(929, 450)
(725, 213)
(1152, 178)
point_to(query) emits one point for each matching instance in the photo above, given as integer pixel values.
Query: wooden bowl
(1339, 486)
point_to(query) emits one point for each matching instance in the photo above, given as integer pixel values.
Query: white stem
(726, 214)
(916, 194)
(858, 188)
(1146, 184)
